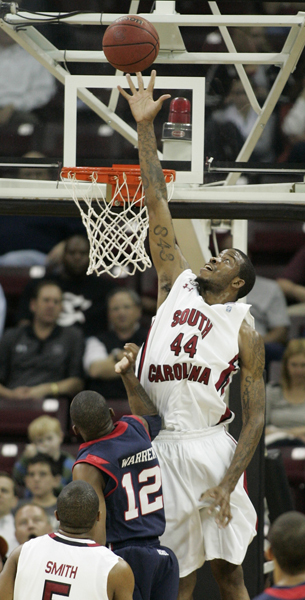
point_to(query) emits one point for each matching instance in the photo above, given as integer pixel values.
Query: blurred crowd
(67, 329)
(31, 112)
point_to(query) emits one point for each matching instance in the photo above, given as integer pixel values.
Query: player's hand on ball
(141, 102)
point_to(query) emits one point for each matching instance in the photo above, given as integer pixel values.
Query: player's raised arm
(139, 401)
(166, 255)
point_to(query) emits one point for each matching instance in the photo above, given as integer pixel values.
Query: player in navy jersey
(287, 550)
(120, 463)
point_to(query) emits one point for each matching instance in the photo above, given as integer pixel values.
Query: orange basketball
(131, 43)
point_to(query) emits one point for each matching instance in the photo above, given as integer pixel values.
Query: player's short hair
(247, 273)
(45, 460)
(287, 539)
(77, 506)
(42, 425)
(88, 412)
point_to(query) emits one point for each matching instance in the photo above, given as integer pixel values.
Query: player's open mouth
(208, 267)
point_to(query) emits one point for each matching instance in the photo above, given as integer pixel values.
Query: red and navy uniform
(134, 503)
(292, 592)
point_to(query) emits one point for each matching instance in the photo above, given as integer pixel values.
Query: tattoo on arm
(151, 170)
(246, 396)
(257, 355)
(253, 410)
(144, 399)
(162, 233)
(139, 401)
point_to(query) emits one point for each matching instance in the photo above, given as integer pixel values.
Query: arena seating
(16, 415)
(8, 455)
(294, 463)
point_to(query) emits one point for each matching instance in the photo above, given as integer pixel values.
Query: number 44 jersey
(131, 471)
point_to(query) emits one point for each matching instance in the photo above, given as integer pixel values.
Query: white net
(116, 229)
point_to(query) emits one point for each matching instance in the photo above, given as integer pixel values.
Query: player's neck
(219, 298)
(106, 430)
(214, 294)
(80, 535)
(284, 579)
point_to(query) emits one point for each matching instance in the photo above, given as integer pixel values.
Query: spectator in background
(8, 501)
(293, 126)
(42, 359)
(30, 240)
(102, 352)
(286, 549)
(83, 295)
(238, 112)
(292, 282)
(25, 85)
(285, 401)
(41, 480)
(46, 436)
(269, 310)
(31, 521)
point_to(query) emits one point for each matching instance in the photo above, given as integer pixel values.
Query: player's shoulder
(133, 421)
(248, 335)
(251, 347)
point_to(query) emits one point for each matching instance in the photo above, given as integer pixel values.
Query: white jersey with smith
(190, 356)
(54, 565)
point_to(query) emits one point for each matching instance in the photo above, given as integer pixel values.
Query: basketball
(131, 43)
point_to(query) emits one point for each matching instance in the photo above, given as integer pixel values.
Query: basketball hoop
(115, 217)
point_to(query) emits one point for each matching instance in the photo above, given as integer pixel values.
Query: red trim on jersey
(137, 418)
(98, 462)
(231, 437)
(143, 354)
(119, 428)
(225, 375)
(70, 540)
(226, 415)
(245, 483)
(290, 593)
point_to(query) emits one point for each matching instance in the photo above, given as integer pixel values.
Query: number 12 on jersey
(143, 505)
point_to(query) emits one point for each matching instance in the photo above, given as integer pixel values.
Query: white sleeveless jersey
(190, 356)
(56, 566)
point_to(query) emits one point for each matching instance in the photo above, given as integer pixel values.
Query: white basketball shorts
(190, 464)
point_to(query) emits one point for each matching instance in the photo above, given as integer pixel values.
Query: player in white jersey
(68, 563)
(198, 339)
